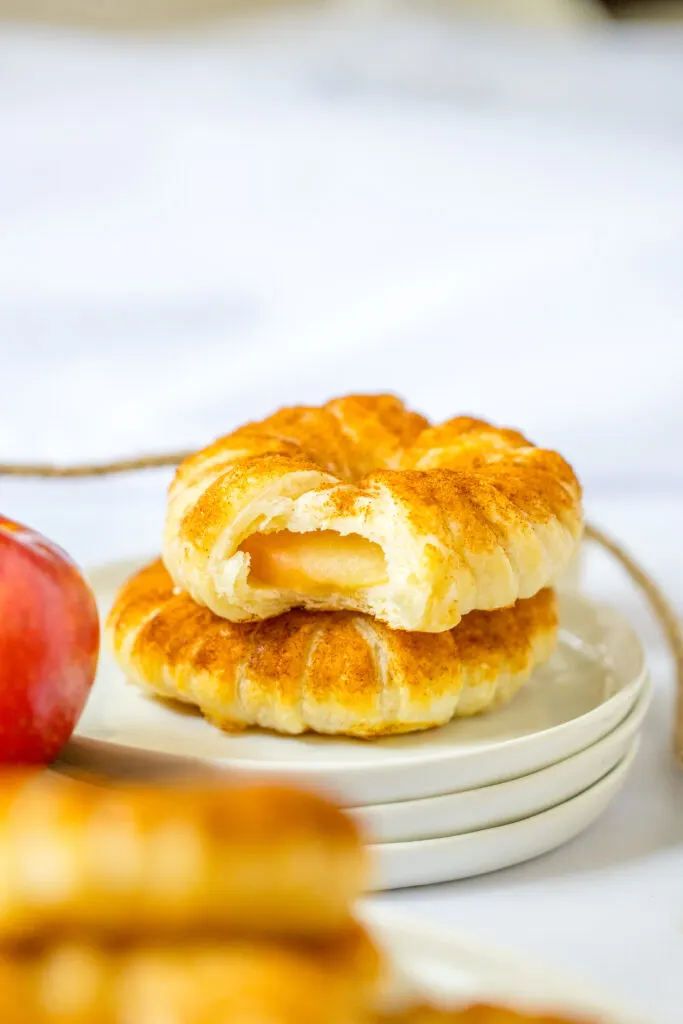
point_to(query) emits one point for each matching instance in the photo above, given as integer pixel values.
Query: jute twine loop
(658, 601)
(86, 469)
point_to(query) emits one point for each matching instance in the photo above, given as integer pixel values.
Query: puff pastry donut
(362, 505)
(479, 1014)
(250, 860)
(199, 982)
(330, 672)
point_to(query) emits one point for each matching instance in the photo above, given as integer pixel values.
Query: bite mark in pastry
(329, 672)
(361, 505)
(320, 563)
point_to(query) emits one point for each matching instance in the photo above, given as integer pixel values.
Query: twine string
(664, 612)
(659, 603)
(47, 470)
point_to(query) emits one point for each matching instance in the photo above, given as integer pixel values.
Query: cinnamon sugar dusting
(461, 472)
(205, 520)
(467, 515)
(334, 660)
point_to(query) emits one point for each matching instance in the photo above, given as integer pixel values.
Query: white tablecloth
(194, 230)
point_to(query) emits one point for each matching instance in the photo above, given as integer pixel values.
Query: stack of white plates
(471, 797)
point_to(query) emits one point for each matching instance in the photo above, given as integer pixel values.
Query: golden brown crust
(207, 983)
(330, 672)
(478, 1014)
(199, 982)
(467, 515)
(252, 860)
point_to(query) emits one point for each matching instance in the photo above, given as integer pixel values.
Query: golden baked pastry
(248, 860)
(479, 1014)
(329, 672)
(191, 905)
(203, 982)
(215, 983)
(361, 505)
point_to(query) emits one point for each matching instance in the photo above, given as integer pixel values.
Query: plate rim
(637, 714)
(381, 918)
(626, 731)
(321, 769)
(613, 776)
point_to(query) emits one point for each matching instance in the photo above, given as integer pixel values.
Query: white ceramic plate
(583, 693)
(455, 813)
(449, 969)
(398, 865)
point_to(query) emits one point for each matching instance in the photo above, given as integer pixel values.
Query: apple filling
(320, 562)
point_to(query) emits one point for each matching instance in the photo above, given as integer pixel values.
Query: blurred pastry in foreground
(329, 672)
(361, 505)
(238, 983)
(192, 982)
(153, 862)
(478, 1014)
(188, 905)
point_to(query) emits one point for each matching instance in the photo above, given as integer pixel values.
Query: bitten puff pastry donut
(362, 505)
(330, 672)
(151, 862)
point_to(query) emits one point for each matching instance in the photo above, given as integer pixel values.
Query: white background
(194, 230)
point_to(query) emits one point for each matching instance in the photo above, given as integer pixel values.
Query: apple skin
(49, 643)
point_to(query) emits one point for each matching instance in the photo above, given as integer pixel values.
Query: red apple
(49, 641)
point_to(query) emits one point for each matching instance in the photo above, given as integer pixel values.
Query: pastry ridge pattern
(328, 672)
(438, 521)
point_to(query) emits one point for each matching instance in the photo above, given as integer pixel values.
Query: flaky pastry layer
(361, 505)
(329, 672)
